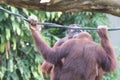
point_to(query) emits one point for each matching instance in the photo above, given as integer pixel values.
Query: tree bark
(105, 6)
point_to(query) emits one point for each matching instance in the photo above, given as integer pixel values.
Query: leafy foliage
(19, 59)
(17, 51)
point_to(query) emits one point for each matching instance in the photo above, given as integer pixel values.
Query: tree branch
(105, 6)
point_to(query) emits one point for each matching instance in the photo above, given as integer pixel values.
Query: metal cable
(53, 24)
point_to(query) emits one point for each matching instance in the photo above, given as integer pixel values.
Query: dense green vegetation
(19, 59)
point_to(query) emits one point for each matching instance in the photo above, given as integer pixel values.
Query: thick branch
(105, 6)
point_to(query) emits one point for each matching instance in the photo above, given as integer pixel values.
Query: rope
(53, 24)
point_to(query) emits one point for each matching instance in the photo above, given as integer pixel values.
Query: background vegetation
(19, 59)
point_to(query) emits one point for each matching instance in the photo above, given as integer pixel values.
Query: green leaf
(14, 76)
(2, 16)
(21, 69)
(25, 11)
(7, 30)
(14, 10)
(14, 26)
(55, 37)
(35, 74)
(59, 14)
(12, 18)
(14, 44)
(18, 30)
(41, 16)
(1, 75)
(6, 15)
(53, 15)
(48, 15)
(11, 65)
(2, 47)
